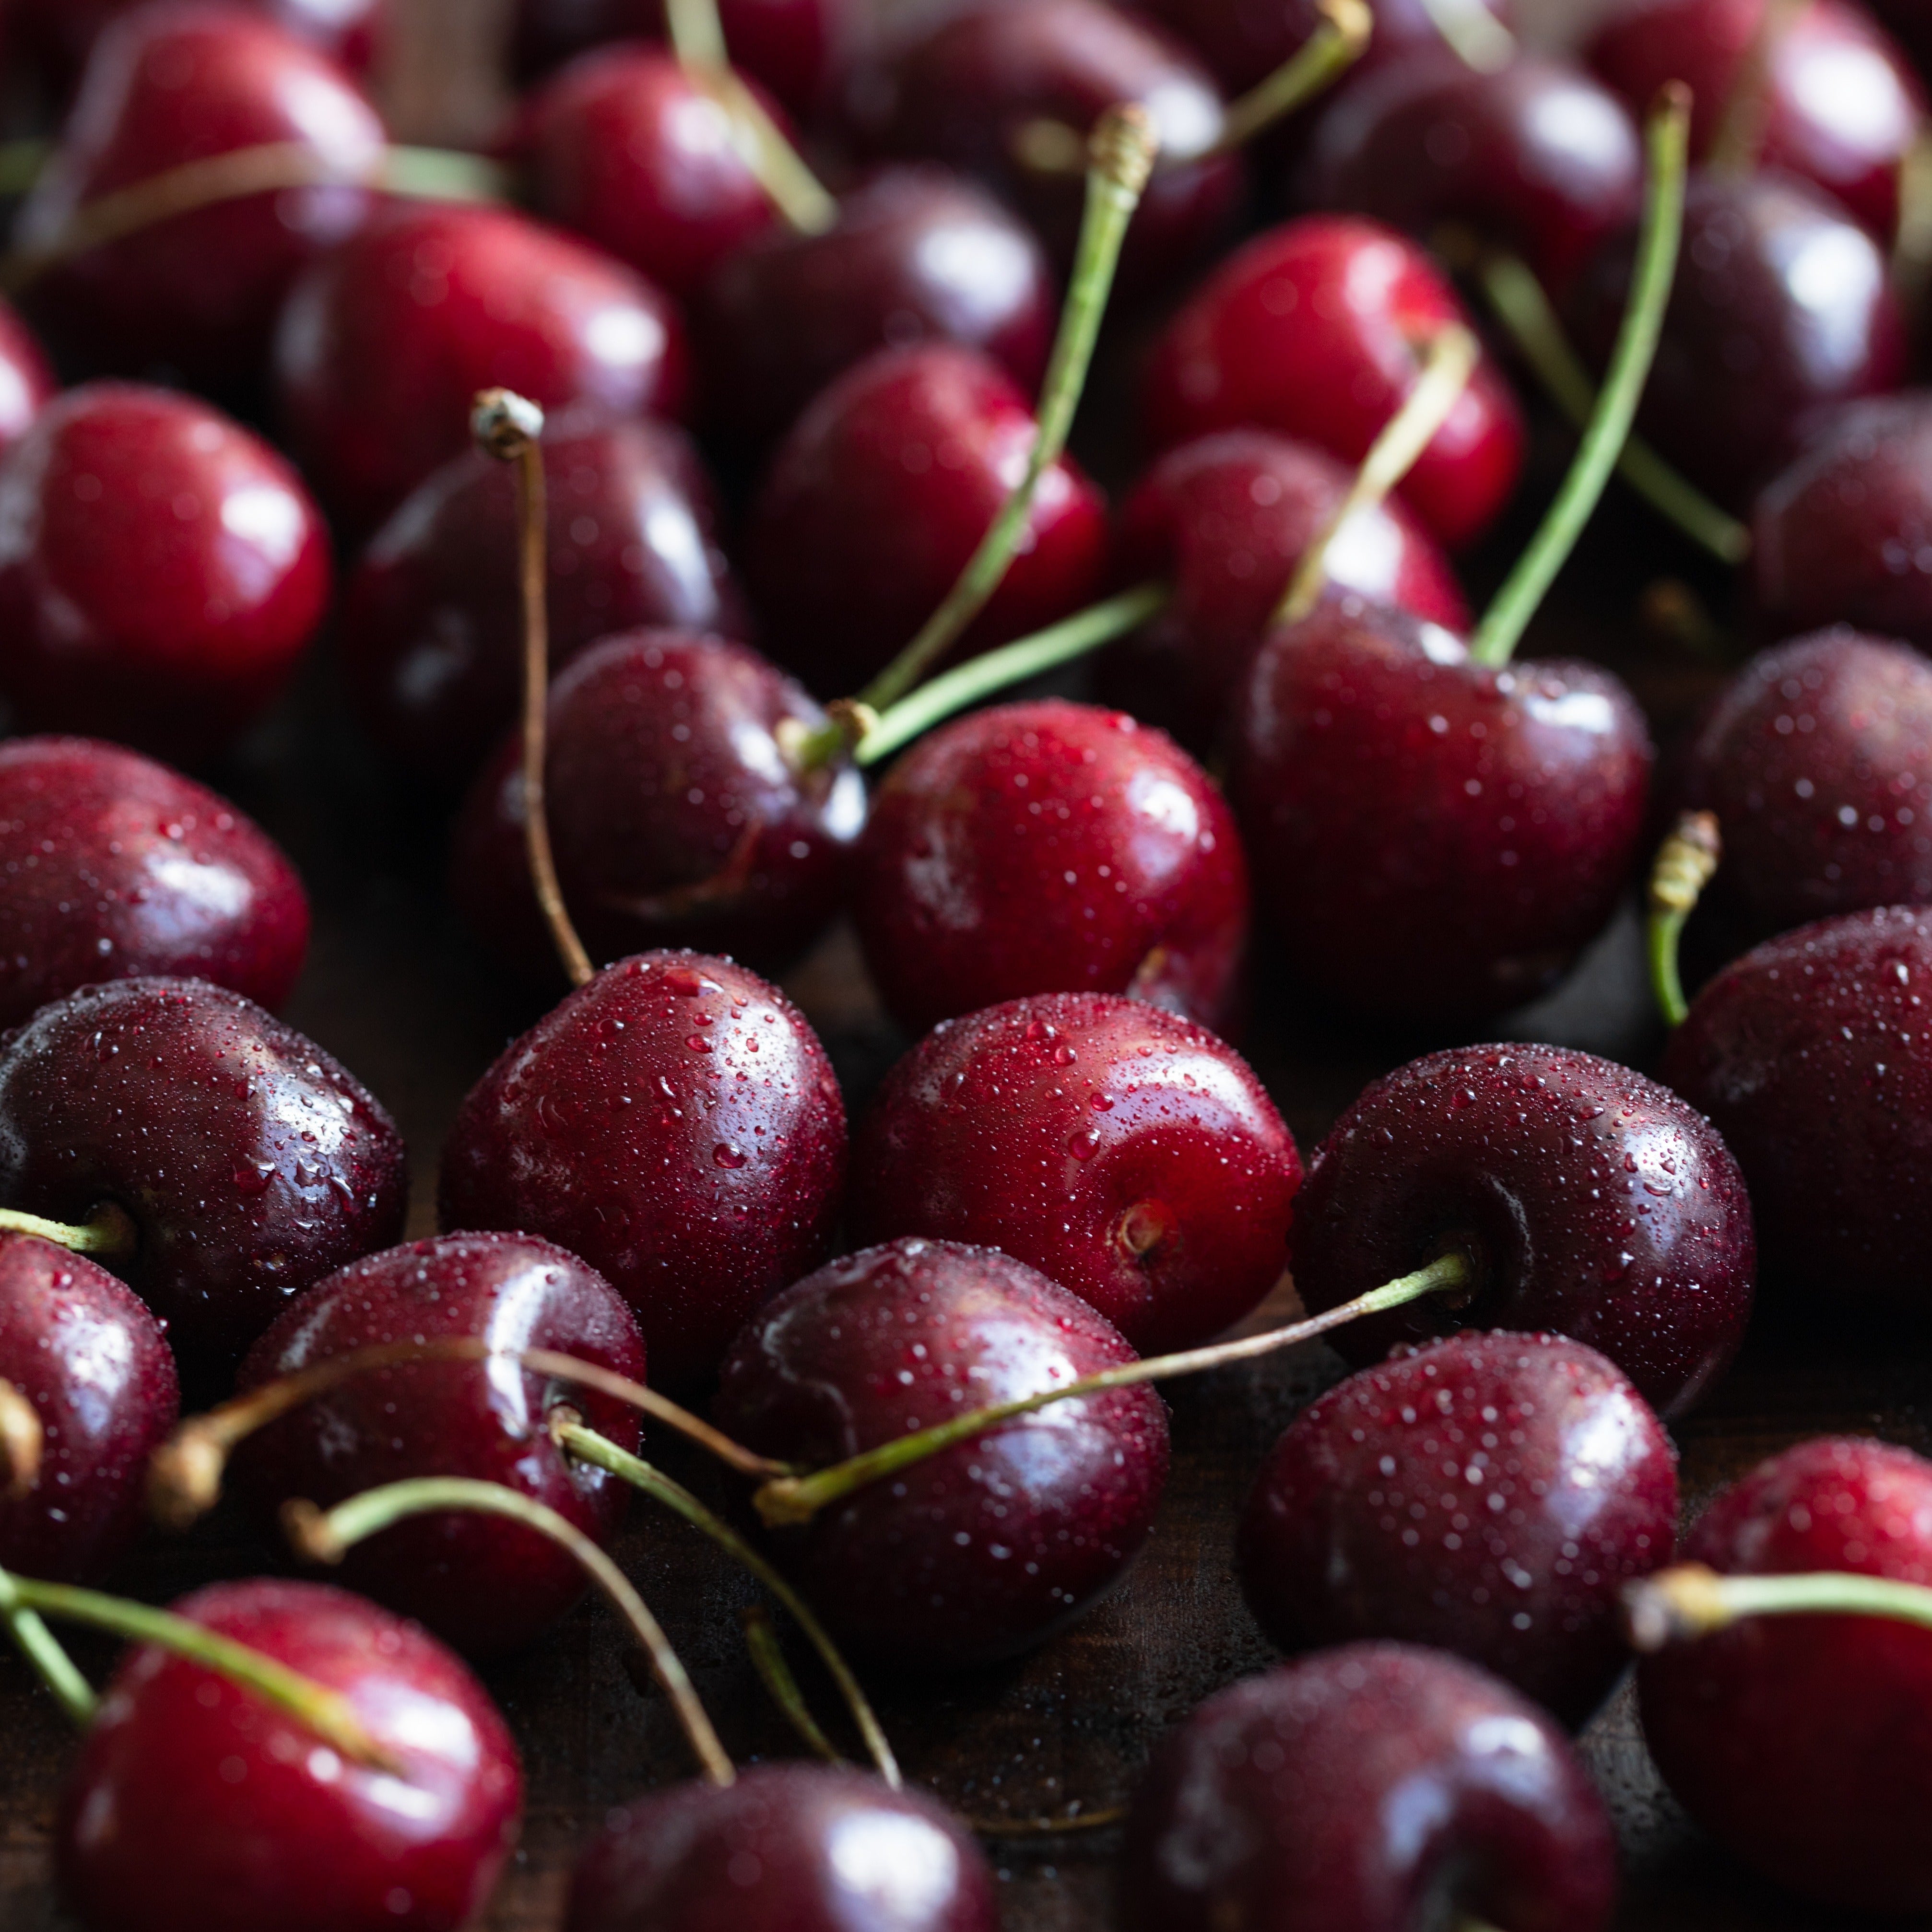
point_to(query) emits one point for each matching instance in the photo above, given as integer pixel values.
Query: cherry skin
(1589, 1201)
(1488, 1494)
(431, 636)
(879, 497)
(787, 1848)
(1051, 847)
(27, 382)
(1124, 1151)
(675, 1123)
(57, 36)
(1317, 329)
(675, 816)
(161, 570)
(157, 1830)
(988, 1547)
(915, 254)
(199, 292)
(384, 342)
(250, 1163)
(1802, 1743)
(112, 866)
(1225, 519)
(94, 1367)
(484, 1584)
(1437, 840)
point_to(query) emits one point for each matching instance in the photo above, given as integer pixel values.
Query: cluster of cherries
(929, 1344)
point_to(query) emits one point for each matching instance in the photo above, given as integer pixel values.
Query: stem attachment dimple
(108, 1233)
(23, 1440)
(1687, 861)
(1691, 1601)
(1328, 53)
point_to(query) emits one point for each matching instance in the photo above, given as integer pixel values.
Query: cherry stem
(768, 1660)
(588, 1446)
(328, 1536)
(507, 426)
(1689, 1600)
(109, 1232)
(788, 1500)
(22, 1441)
(1667, 138)
(1472, 34)
(45, 1652)
(1518, 300)
(1446, 366)
(1739, 138)
(1687, 861)
(1322, 60)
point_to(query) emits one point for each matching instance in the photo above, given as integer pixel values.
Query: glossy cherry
(1124, 1151)
(1802, 1744)
(384, 342)
(1590, 1201)
(112, 866)
(58, 35)
(431, 636)
(1368, 1787)
(1317, 329)
(985, 1548)
(161, 570)
(1487, 1494)
(27, 382)
(787, 1848)
(193, 1803)
(93, 1366)
(676, 817)
(250, 1163)
(1051, 847)
(675, 1122)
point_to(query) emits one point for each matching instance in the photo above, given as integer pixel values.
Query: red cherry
(161, 570)
(27, 382)
(384, 342)
(193, 1803)
(57, 35)
(1318, 329)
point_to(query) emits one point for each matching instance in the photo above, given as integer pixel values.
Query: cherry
(1590, 1200)
(1368, 1787)
(1316, 329)
(915, 254)
(676, 816)
(430, 641)
(115, 866)
(161, 570)
(880, 494)
(193, 1803)
(1801, 1744)
(675, 1123)
(984, 1549)
(27, 383)
(56, 36)
(92, 1365)
(198, 291)
(1910, 21)
(249, 1162)
(386, 340)
(787, 1848)
(1124, 1151)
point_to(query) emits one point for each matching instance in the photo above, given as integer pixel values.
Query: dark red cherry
(676, 817)
(916, 254)
(675, 1123)
(250, 1163)
(1225, 520)
(94, 1367)
(1318, 329)
(112, 866)
(56, 36)
(1910, 21)
(1811, 1056)
(167, 87)
(1435, 840)
(27, 383)
(194, 1803)
(1124, 1152)
(879, 497)
(1051, 847)
(1804, 1743)
(481, 1583)
(384, 342)
(787, 1848)
(1368, 1788)
(1488, 1494)
(985, 1548)
(431, 636)
(161, 570)
(1591, 1201)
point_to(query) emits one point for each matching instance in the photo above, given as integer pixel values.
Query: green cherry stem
(1472, 33)
(44, 1652)
(1667, 139)
(796, 1499)
(107, 1232)
(768, 1660)
(1739, 138)
(1328, 53)
(1687, 861)
(1688, 1601)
